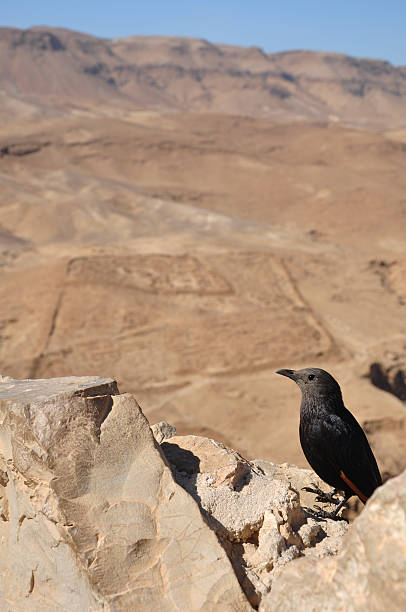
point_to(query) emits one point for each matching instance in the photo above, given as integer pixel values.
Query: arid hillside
(191, 254)
(42, 69)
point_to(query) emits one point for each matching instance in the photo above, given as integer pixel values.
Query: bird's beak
(289, 373)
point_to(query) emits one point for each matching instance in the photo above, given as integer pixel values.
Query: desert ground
(191, 246)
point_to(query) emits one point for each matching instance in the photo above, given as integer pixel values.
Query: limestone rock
(368, 575)
(254, 508)
(90, 516)
(193, 454)
(163, 431)
(299, 478)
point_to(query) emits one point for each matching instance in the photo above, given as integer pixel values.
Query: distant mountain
(44, 65)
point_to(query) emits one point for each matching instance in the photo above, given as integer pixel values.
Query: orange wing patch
(353, 487)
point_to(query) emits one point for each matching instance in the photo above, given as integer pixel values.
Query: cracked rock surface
(95, 514)
(368, 575)
(255, 508)
(90, 515)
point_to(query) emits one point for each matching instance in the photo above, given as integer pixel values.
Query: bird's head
(313, 382)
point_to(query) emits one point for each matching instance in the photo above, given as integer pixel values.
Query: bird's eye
(311, 376)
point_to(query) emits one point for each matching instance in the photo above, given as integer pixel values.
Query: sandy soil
(191, 255)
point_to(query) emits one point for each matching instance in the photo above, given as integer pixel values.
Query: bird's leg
(318, 512)
(342, 504)
(327, 498)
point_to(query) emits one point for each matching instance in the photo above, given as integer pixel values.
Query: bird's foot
(322, 496)
(318, 512)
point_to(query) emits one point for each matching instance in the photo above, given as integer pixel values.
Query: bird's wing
(354, 458)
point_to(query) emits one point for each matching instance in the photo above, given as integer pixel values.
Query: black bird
(332, 440)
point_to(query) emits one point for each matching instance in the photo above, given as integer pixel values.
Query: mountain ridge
(178, 74)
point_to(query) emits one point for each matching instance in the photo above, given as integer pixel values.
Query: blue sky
(361, 28)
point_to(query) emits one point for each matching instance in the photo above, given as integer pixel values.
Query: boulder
(255, 508)
(368, 575)
(90, 515)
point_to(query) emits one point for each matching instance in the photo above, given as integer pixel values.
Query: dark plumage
(332, 439)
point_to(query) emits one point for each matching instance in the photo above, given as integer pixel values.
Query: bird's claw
(314, 489)
(318, 512)
(327, 498)
(321, 496)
